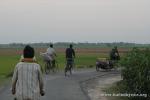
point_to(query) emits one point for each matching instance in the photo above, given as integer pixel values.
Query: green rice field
(8, 62)
(84, 58)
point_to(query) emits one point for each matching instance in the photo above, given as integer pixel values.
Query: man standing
(70, 55)
(27, 81)
(114, 54)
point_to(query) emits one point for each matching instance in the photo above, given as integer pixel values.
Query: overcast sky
(74, 21)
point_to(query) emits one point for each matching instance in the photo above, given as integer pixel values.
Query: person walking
(27, 81)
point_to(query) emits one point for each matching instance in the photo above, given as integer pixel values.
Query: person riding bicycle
(52, 54)
(70, 55)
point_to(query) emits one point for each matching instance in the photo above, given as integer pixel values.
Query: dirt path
(95, 87)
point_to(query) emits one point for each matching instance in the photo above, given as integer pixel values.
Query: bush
(136, 73)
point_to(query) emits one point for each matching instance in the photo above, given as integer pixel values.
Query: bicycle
(51, 66)
(69, 66)
(47, 67)
(49, 63)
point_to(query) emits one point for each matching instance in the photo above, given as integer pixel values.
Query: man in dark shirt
(114, 54)
(70, 55)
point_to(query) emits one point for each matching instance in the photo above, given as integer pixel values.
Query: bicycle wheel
(68, 68)
(56, 67)
(47, 68)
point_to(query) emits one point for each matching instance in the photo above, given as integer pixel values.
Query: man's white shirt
(51, 52)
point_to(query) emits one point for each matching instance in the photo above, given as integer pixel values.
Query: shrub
(136, 73)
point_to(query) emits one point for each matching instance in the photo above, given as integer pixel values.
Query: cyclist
(52, 54)
(70, 55)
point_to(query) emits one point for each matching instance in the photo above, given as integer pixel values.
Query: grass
(87, 59)
(8, 62)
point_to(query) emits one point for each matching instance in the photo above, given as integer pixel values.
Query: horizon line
(71, 42)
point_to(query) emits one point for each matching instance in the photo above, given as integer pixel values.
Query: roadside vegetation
(135, 75)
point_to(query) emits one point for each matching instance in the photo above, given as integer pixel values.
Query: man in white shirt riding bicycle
(52, 54)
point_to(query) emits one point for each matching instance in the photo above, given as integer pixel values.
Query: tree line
(78, 45)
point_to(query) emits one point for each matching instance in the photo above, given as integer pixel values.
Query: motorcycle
(104, 64)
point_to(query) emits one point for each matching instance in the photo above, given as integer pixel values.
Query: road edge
(82, 86)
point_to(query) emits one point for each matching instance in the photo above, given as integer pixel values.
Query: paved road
(59, 87)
